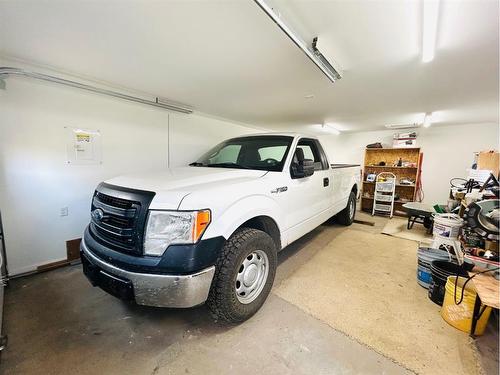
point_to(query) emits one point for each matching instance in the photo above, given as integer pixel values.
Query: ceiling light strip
(9, 71)
(332, 74)
(429, 29)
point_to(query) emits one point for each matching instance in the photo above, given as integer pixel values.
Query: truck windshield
(267, 153)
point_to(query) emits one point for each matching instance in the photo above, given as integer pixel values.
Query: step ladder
(383, 199)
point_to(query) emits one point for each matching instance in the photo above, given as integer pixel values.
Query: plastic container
(447, 226)
(460, 316)
(424, 277)
(440, 270)
(425, 256)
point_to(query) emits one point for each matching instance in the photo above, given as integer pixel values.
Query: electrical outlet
(64, 211)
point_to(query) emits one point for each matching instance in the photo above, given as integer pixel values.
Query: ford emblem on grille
(97, 214)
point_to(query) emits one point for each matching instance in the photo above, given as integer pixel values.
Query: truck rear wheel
(244, 275)
(346, 216)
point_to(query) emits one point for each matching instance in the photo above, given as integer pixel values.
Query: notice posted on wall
(83, 146)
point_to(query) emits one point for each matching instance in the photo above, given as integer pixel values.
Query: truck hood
(172, 185)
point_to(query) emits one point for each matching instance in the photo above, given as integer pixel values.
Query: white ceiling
(228, 59)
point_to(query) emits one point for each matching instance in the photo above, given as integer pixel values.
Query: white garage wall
(448, 152)
(35, 181)
(190, 136)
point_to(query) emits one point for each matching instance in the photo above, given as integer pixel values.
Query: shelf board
(373, 183)
(393, 149)
(386, 166)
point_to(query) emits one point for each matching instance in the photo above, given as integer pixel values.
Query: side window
(272, 152)
(311, 152)
(228, 154)
(308, 152)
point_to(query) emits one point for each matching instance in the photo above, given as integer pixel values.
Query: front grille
(119, 222)
(113, 201)
(118, 217)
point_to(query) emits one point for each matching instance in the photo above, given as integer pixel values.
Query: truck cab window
(266, 153)
(227, 154)
(272, 152)
(311, 152)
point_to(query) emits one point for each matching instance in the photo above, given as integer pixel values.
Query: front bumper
(149, 289)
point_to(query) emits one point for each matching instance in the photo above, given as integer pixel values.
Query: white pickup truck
(210, 232)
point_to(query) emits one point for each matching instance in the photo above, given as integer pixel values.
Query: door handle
(326, 181)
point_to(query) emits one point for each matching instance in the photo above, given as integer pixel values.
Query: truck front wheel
(244, 275)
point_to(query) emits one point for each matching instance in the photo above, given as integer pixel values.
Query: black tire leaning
(344, 217)
(222, 300)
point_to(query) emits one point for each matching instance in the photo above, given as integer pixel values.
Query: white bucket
(447, 226)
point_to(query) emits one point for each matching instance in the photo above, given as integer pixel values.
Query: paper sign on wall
(83, 146)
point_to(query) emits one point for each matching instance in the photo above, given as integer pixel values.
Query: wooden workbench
(488, 294)
(488, 289)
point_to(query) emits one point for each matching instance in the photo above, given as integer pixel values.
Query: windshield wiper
(196, 164)
(228, 165)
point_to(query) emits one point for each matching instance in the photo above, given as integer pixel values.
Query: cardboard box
(489, 160)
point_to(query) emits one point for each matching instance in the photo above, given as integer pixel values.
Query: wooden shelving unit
(390, 156)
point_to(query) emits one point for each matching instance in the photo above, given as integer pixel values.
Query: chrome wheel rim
(251, 276)
(352, 208)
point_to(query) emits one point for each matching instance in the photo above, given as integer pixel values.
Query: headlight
(173, 227)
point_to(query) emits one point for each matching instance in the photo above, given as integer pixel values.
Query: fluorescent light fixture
(429, 29)
(331, 128)
(311, 51)
(402, 126)
(427, 120)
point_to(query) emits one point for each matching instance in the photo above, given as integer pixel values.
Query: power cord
(466, 281)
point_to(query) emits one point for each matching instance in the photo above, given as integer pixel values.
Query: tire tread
(218, 299)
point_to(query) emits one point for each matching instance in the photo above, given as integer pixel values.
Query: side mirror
(303, 167)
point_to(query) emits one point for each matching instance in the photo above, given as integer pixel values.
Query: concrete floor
(57, 323)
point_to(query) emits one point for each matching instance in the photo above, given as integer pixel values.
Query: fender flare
(243, 210)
